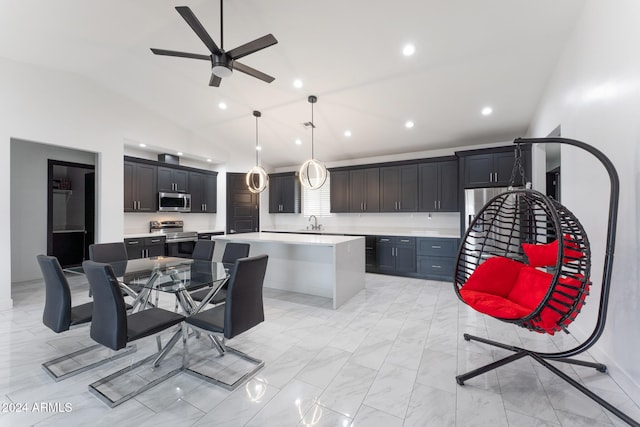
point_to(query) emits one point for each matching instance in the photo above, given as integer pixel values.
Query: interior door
(243, 206)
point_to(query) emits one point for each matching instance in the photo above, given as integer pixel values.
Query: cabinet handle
(435, 247)
(384, 240)
(439, 204)
(496, 179)
(435, 204)
(133, 243)
(436, 266)
(404, 240)
(155, 240)
(365, 206)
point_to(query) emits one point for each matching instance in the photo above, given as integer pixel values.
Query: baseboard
(6, 304)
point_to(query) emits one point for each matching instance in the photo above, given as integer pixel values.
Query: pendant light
(257, 178)
(313, 172)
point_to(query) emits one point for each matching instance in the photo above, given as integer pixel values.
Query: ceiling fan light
(313, 174)
(220, 70)
(257, 179)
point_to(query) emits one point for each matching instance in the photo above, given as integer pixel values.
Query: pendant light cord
(221, 32)
(313, 125)
(256, 140)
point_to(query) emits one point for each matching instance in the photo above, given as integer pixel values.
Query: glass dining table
(179, 276)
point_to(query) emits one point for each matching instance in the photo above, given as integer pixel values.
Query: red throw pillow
(546, 255)
(495, 276)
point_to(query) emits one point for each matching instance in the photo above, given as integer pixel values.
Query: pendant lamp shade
(257, 178)
(313, 172)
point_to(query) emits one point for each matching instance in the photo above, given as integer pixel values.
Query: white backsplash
(136, 223)
(415, 221)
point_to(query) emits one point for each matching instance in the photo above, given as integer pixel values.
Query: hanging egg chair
(525, 259)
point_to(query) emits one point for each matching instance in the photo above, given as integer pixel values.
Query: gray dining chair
(203, 250)
(60, 316)
(242, 311)
(114, 329)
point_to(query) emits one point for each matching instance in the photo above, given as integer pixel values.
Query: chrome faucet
(315, 225)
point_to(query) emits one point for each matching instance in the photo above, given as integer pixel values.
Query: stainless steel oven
(178, 243)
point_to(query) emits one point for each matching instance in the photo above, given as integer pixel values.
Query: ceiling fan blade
(196, 26)
(180, 54)
(252, 72)
(215, 81)
(253, 46)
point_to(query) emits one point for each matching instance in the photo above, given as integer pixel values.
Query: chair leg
(49, 366)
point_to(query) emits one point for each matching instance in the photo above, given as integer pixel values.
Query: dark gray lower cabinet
(436, 257)
(395, 255)
(422, 257)
(144, 247)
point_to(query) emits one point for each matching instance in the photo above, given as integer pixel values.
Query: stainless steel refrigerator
(475, 199)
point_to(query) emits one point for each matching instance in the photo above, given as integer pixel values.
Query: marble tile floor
(386, 358)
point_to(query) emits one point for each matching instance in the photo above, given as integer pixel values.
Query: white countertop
(289, 238)
(442, 233)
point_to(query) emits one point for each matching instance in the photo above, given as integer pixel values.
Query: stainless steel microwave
(174, 202)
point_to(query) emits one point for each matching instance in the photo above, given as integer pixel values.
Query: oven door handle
(186, 239)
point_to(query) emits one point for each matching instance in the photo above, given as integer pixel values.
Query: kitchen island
(327, 266)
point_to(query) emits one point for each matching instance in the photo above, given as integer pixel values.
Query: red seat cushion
(494, 305)
(507, 289)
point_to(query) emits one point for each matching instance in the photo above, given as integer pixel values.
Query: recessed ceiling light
(298, 141)
(408, 50)
(408, 124)
(179, 153)
(487, 111)
(208, 160)
(297, 83)
(142, 145)
(222, 106)
(347, 133)
(258, 148)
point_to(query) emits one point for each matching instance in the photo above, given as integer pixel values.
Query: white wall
(595, 96)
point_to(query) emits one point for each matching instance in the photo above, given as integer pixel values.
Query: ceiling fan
(222, 63)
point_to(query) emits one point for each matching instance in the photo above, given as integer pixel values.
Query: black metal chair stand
(564, 300)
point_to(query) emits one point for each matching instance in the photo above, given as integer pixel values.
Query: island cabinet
(203, 187)
(140, 187)
(284, 193)
(395, 255)
(492, 167)
(173, 180)
(438, 186)
(436, 257)
(364, 190)
(399, 188)
(339, 191)
(144, 247)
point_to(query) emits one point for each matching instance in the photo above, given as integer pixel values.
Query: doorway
(243, 206)
(70, 211)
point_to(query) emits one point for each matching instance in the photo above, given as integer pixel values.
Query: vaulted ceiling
(469, 54)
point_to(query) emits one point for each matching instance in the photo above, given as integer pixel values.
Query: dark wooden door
(428, 187)
(389, 186)
(196, 184)
(479, 171)
(243, 206)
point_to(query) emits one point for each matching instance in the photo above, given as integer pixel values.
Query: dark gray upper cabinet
(284, 193)
(399, 188)
(140, 187)
(438, 186)
(173, 180)
(204, 191)
(339, 191)
(364, 190)
(493, 167)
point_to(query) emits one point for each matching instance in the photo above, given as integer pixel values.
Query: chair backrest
(203, 250)
(244, 308)
(109, 322)
(57, 304)
(234, 251)
(110, 253)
